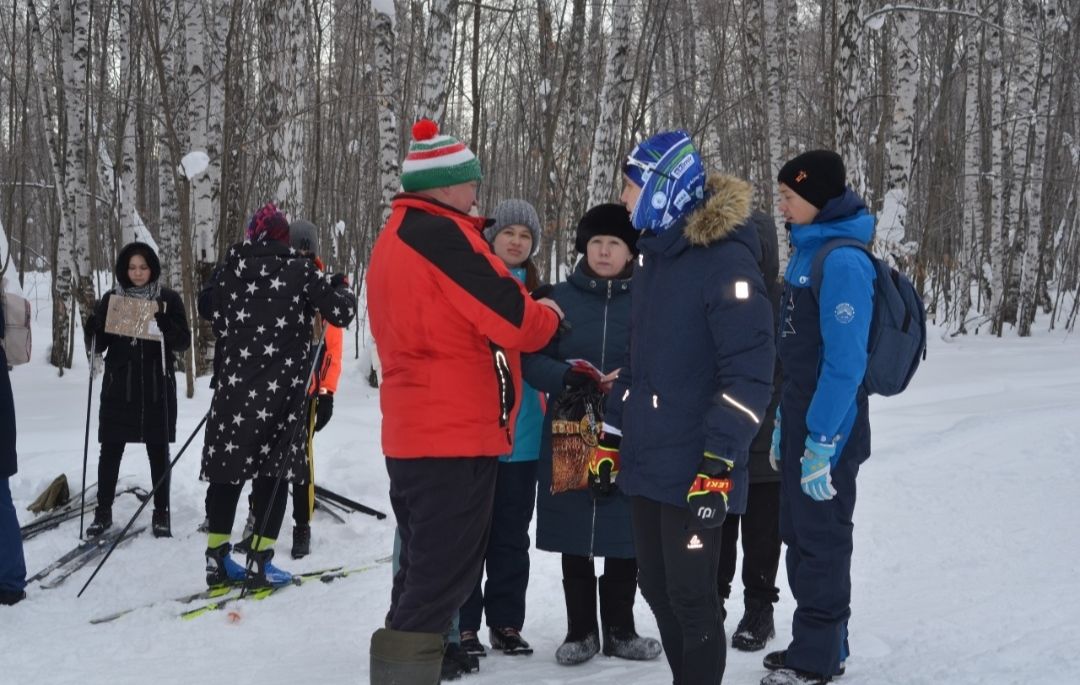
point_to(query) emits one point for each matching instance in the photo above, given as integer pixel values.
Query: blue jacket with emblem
(700, 369)
(530, 414)
(822, 386)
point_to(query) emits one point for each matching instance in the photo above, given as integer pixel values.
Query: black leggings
(109, 472)
(221, 500)
(575, 568)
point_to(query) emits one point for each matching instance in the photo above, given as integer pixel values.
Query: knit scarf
(150, 291)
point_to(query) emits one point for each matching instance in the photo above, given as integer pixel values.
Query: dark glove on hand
(604, 465)
(708, 496)
(164, 323)
(338, 279)
(324, 409)
(92, 326)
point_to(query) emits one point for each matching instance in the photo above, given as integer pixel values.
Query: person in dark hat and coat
(585, 524)
(263, 304)
(138, 396)
(12, 562)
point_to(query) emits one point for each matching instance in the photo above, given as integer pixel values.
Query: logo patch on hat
(659, 200)
(800, 177)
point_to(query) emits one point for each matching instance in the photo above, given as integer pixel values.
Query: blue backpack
(897, 341)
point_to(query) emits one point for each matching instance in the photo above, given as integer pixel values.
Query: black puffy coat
(262, 307)
(761, 471)
(134, 391)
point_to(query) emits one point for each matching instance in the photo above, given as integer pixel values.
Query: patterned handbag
(577, 417)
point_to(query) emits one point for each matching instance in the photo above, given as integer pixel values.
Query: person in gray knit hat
(515, 213)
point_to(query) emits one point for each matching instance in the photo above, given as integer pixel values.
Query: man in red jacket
(450, 322)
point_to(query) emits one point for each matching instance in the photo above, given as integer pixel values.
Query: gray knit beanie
(519, 213)
(304, 236)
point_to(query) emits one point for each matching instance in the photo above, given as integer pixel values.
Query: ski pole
(346, 502)
(142, 506)
(86, 436)
(284, 460)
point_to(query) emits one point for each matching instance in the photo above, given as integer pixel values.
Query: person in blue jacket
(514, 237)
(823, 430)
(582, 525)
(12, 562)
(693, 392)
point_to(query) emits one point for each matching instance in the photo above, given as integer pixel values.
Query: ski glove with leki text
(604, 465)
(708, 496)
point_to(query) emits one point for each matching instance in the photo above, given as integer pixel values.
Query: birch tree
(894, 212)
(383, 28)
(617, 84)
(846, 115)
(436, 65)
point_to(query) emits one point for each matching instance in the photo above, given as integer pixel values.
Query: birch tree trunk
(998, 88)
(891, 230)
(389, 180)
(974, 224)
(775, 21)
(125, 182)
(1036, 117)
(195, 52)
(440, 36)
(846, 117)
(603, 163)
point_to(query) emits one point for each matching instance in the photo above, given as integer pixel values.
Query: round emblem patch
(844, 312)
(659, 200)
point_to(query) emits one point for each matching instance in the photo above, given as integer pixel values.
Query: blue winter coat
(8, 461)
(821, 394)
(576, 523)
(530, 416)
(699, 377)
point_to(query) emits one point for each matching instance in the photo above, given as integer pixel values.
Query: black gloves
(708, 495)
(576, 379)
(324, 409)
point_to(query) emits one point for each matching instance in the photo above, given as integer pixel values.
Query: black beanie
(607, 219)
(817, 176)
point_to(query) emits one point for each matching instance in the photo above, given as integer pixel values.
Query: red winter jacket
(449, 321)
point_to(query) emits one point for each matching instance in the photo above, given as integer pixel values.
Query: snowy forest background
(958, 119)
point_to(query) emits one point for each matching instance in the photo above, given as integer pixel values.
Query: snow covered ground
(965, 555)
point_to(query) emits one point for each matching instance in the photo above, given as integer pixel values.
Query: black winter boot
(263, 573)
(582, 632)
(403, 658)
(102, 522)
(161, 523)
(756, 627)
(509, 641)
(301, 541)
(221, 568)
(617, 618)
(774, 661)
(456, 662)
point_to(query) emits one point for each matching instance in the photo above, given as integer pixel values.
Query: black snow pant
(506, 559)
(760, 544)
(443, 509)
(221, 500)
(109, 472)
(677, 570)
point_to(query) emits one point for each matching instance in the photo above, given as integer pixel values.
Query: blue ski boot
(263, 573)
(221, 568)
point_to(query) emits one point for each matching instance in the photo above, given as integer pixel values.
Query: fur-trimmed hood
(727, 206)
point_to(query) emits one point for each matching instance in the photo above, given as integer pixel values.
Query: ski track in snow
(966, 546)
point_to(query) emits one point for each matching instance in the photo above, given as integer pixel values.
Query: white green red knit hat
(436, 161)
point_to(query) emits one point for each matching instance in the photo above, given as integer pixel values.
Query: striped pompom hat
(436, 160)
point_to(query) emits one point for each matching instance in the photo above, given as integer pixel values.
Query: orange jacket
(326, 380)
(450, 322)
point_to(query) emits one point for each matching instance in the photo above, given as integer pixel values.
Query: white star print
(260, 330)
(272, 386)
(252, 394)
(233, 379)
(241, 315)
(241, 263)
(270, 349)
(265, 449)
(234, 296)
(276, 283)
(263, 414)
(229, 447)
(289, 361)
(237, 419)
(251, 288)
(244, 354)
(280, 322)
(296, 299)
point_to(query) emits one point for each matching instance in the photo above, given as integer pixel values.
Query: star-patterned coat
(264, 300)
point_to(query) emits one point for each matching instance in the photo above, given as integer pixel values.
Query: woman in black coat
(262, 305)
(578, 524)
(12, 563)
(138, 395)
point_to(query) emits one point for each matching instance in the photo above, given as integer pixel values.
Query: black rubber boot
(402, 658)
(617, 618)
(161, 523)
(582, 632)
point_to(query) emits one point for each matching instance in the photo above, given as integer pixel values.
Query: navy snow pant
(502, 598)
(12, 563)
(818, 536)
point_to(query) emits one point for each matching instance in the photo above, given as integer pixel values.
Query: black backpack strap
(818, 265)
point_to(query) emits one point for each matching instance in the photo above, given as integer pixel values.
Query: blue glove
(774, 453)
(816, 463)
